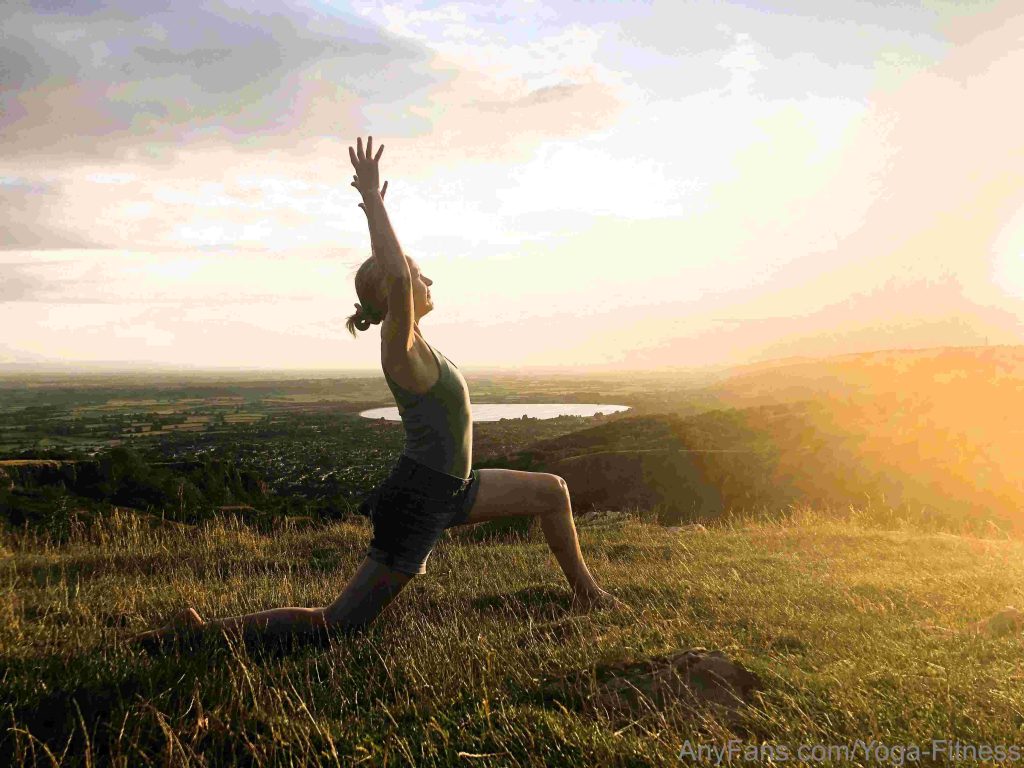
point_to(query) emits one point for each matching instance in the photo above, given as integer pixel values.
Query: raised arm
(386, 248)
(398, 328)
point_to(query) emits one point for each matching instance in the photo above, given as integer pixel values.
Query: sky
(602, 186)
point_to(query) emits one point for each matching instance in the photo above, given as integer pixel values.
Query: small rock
(695, 677)
(1005, 621)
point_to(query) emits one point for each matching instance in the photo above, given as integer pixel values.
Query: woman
(431, 487)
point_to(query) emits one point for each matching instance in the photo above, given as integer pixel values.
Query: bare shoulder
(416, 372)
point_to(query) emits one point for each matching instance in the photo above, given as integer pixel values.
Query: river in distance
(498, 411)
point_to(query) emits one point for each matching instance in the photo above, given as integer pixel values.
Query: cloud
(57, 279)
(30, 217)
(849, 32)
(770, 50)
(151, 81)
(557, 94)
(15, 285)
(176, 279)
(131, 78)
(561, 177)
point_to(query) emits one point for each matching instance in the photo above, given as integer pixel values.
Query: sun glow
(1008, 256)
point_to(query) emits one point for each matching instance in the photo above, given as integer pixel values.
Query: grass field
(856, 626)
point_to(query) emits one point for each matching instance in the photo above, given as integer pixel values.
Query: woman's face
(422, 303)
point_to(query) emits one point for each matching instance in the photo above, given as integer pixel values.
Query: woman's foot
(186, 624)
(596, 599)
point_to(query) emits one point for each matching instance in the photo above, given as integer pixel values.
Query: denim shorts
(412, 508)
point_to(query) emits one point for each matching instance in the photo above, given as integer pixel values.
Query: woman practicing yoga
(430, 487)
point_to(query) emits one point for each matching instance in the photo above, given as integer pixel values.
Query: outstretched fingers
(366, 166)
(360, 156)
(369, 149)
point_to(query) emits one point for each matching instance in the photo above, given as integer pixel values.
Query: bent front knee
(557, 495)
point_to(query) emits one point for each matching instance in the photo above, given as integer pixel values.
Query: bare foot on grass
(591, 601)
(185, 625)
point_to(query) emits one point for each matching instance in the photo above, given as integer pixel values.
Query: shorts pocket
(407, 512)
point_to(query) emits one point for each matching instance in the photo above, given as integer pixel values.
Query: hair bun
(368, 314)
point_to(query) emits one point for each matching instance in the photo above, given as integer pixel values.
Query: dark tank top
(438, 424)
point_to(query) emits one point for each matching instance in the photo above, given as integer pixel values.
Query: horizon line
(124, 367)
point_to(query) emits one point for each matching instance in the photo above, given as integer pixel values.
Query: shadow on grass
(83, 704)
(52, 696)
(214, 642)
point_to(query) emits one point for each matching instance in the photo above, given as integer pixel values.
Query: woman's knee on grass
(349, 617)
(370, 590)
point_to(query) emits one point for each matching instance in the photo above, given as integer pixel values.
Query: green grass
(856, 630)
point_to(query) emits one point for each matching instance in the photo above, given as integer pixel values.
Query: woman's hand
(367, 177)
(383, 242)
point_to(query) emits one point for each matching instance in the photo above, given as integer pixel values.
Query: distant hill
(944, 373)
(938, 430)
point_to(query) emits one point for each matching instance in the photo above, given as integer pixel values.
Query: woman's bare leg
(560, 532)
(515, 493)
(370, 590)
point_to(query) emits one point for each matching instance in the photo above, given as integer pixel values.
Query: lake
(498, 411)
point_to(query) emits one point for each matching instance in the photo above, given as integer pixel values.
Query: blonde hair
(374, 305)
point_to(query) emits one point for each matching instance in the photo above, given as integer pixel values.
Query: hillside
(944, 373)
(935, 431)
